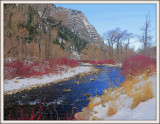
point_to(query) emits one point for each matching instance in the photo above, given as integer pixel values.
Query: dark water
(62, 104)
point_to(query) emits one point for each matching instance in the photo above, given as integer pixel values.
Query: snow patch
(144, 111)
(10, 85)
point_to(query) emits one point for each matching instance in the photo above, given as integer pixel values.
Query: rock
(75, 107)
(76, 82)
(67, 90)
(104, 91)
(87, 95)
(95, 118)
(84, 109)
(64, 102)
(92, 79)
(95, 112)
(110, 90)
(90, 99)
(103, 105)
(82, 115)
(78, 100)
(16, 81)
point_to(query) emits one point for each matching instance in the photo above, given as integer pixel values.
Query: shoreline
(118, 100)
(106, 65)
(11, 87)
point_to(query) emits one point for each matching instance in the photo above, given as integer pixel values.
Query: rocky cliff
(76, 21)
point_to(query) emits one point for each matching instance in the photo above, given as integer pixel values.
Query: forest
(29, 35)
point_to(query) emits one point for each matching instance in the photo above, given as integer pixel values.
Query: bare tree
(146, 38)
(127, 41)
(119, 39)
(110, 37)
(54, 18)
(120, 36)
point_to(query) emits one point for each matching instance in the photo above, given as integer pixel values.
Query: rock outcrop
(79, 24)
(76, 21)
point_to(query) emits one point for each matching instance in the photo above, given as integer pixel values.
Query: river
(62, 104)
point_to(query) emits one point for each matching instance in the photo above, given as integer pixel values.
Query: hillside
(35, 31)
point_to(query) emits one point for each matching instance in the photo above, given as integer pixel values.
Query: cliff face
(78, 23)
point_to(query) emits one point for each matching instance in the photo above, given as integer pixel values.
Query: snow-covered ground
(144, 111)
(15, 84)
(121, 104)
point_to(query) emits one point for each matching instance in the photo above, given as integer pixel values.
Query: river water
(59, 104)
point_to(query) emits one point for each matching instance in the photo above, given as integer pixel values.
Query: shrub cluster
(26, 114)
(137, 65)
(26, 69)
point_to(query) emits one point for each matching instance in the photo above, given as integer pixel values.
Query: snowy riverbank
(107, 65)
(17, 85)
(138, 103)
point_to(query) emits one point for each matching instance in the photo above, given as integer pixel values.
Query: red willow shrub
(26, 69)
(84, 61)
(19, 68)
(137, 64)
(33, 116)
(109, 61)
(101, 62)
(38, 114)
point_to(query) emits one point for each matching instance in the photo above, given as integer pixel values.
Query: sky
(131, 17)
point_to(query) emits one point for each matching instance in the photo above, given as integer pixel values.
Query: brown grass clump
(16, 81)
(111, 94)
(91, 104)
(119, 90)
(151, 71)
(144, 93)
(112, 109)
(145, 77)
(105, 98)
(128, 85)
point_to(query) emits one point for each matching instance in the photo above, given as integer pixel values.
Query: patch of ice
(56, 101)
(34, 102)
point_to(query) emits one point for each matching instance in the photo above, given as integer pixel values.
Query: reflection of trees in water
(113, 73)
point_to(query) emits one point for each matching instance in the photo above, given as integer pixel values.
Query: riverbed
(58, 103)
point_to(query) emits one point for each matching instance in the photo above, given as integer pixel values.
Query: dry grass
(139, 93)
(111, 94)
(145, 77)
(150, 72)
(105, 98)
(107, 95)
(128, 85)
(16, 81)
(112, 108)
(119, 90)
(91, 104)
(143, 94)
